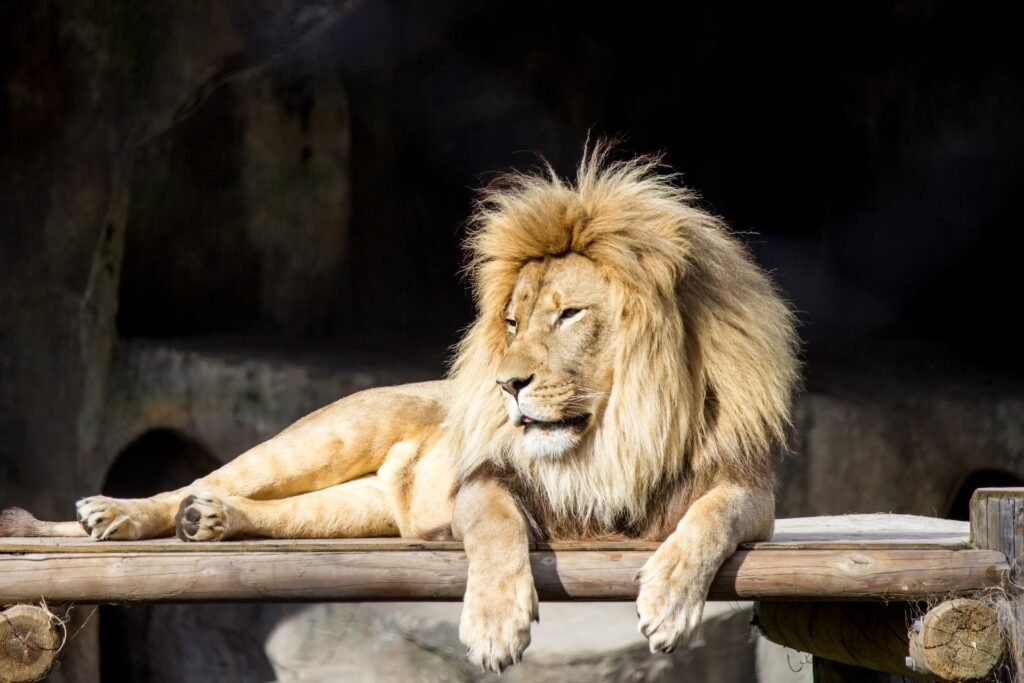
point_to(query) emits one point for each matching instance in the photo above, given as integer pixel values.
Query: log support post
(955, 640)
(959, 639)
(997, 523)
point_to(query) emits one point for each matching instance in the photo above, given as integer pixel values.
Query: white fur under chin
(549, 443)
(541, 442)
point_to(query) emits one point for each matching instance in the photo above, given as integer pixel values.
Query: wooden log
(859, 634)
(284, 575)
(997, 523)
(955, 640)
(29, 642)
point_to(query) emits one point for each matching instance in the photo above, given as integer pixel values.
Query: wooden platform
(853, 557)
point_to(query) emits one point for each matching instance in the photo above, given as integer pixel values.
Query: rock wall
(572, 642)
(86, 86)
(900, 438)
(265, 252)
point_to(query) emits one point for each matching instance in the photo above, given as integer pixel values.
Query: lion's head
(625, 342)
(557, 370)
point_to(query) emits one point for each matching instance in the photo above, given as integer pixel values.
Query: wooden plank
(804, 533)
(997, 523)
(868, 531)
(836, 574)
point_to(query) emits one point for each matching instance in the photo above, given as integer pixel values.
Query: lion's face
(557, 370)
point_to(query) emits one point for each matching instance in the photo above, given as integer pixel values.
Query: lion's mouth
(572, 422)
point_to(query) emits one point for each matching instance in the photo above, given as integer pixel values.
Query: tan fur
(704, 357)
(645, 369)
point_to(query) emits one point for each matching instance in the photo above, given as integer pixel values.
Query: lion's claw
(670, 602)
(496, 617)
(106, 518)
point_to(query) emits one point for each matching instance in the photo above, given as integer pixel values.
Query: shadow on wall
(155, 643)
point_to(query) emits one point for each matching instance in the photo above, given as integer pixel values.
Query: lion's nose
(515, 384)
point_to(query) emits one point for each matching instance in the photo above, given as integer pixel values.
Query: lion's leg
(346, 440)
(674, 583)
(500, 600)
(355, 509)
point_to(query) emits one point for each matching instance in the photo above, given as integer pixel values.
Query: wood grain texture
(957, 640)
(849, 557)
(29, 643)
(440, 575)
(880, 530)
(871, 635)
(997, 523)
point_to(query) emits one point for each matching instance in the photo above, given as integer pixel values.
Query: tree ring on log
(958, 640)
(29, 642)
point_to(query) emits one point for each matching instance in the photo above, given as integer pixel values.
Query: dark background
(873, 153)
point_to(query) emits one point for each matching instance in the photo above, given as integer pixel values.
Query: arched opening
(960, 508)
(159, 460)
(147, 642)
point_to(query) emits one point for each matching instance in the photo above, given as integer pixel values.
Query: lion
(629, 375)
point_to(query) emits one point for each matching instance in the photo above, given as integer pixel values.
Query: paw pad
(201, 517)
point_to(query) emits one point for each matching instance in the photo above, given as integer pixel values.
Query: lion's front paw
(671, 600)
(203, 517)
(106, 518)
(496, 616)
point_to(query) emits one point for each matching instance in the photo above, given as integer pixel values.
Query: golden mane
(705, 350)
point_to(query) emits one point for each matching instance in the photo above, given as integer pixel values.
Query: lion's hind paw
(203, 517)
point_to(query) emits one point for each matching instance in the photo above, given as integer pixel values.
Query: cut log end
(29, 642)
(957, 640)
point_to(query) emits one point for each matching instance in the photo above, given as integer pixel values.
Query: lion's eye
(569, 313)
(511, 325)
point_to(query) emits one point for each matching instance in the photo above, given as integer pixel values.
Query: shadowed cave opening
(144, 642)
(158, 460)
